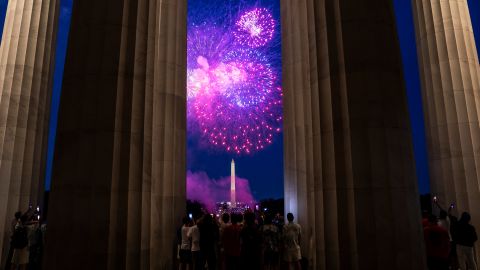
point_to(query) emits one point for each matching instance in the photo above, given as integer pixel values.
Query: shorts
(20, 256)
(292, 255)
(185, 256)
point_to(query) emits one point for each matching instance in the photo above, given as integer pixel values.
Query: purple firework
(255, 28)
(234, 97)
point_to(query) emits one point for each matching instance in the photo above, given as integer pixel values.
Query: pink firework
(234, 98)
(255, 28)
(237, 129)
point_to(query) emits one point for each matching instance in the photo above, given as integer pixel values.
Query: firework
(255, 28)
(234, 97)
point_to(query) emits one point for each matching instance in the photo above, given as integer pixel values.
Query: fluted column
(349, 167)
(450, 76)
(26, 71)
(118, 188)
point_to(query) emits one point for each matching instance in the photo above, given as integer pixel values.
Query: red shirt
(231, 240)
(437, 241)
(425, 223)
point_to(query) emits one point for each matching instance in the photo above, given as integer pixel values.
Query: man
(292, 233)
(20, 245)
(208, 241)
(466, 238)
(437, 242)
(13, 223)
(231, 243)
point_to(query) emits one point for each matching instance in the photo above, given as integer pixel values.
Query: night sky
(264, 169)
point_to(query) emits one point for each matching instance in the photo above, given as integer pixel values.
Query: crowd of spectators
(239, 241)
(449, 241)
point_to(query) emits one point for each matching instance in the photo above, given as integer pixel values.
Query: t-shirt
(194, 234)
(436, 241)
(185, 242)
(445, 223)
(231, 240)
(291, 236)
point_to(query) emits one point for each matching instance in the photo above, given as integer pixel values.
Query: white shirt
(291, 234)
(185, 245)
(194, 234)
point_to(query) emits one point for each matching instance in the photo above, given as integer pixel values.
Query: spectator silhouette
(437, 243)
(465, 237)
(251, 243)
(224, 224)
(231, 243)
(194, 236)
(270, 242)
(185, 252)
(13, 223)
(20, 245)
(291, 240)
(209, 236)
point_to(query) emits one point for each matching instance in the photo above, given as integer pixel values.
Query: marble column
(450, 76)
(26, 73)
(349, 166)
(118, 188)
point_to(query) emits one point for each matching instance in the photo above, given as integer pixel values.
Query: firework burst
(255, 28)
(233, 89)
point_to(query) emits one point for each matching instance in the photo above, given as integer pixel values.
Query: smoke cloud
(201, 188)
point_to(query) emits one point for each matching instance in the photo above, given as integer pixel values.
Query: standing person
(292, 233)
(35, 243)
(224, 224)
(466, 237)
(444, 222)
(231, 243)
(194, 236)
(13, 223)
(250, 251)
(208, 241)
(185, 252)
(20, 245)
(453, 230)
(270, 243)
(437, 244)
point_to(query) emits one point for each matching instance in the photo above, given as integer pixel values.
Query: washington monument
(232, 185)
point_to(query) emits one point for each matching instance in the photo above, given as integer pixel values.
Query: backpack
(20, 238)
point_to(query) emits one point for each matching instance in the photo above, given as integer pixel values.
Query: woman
(185, 253)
